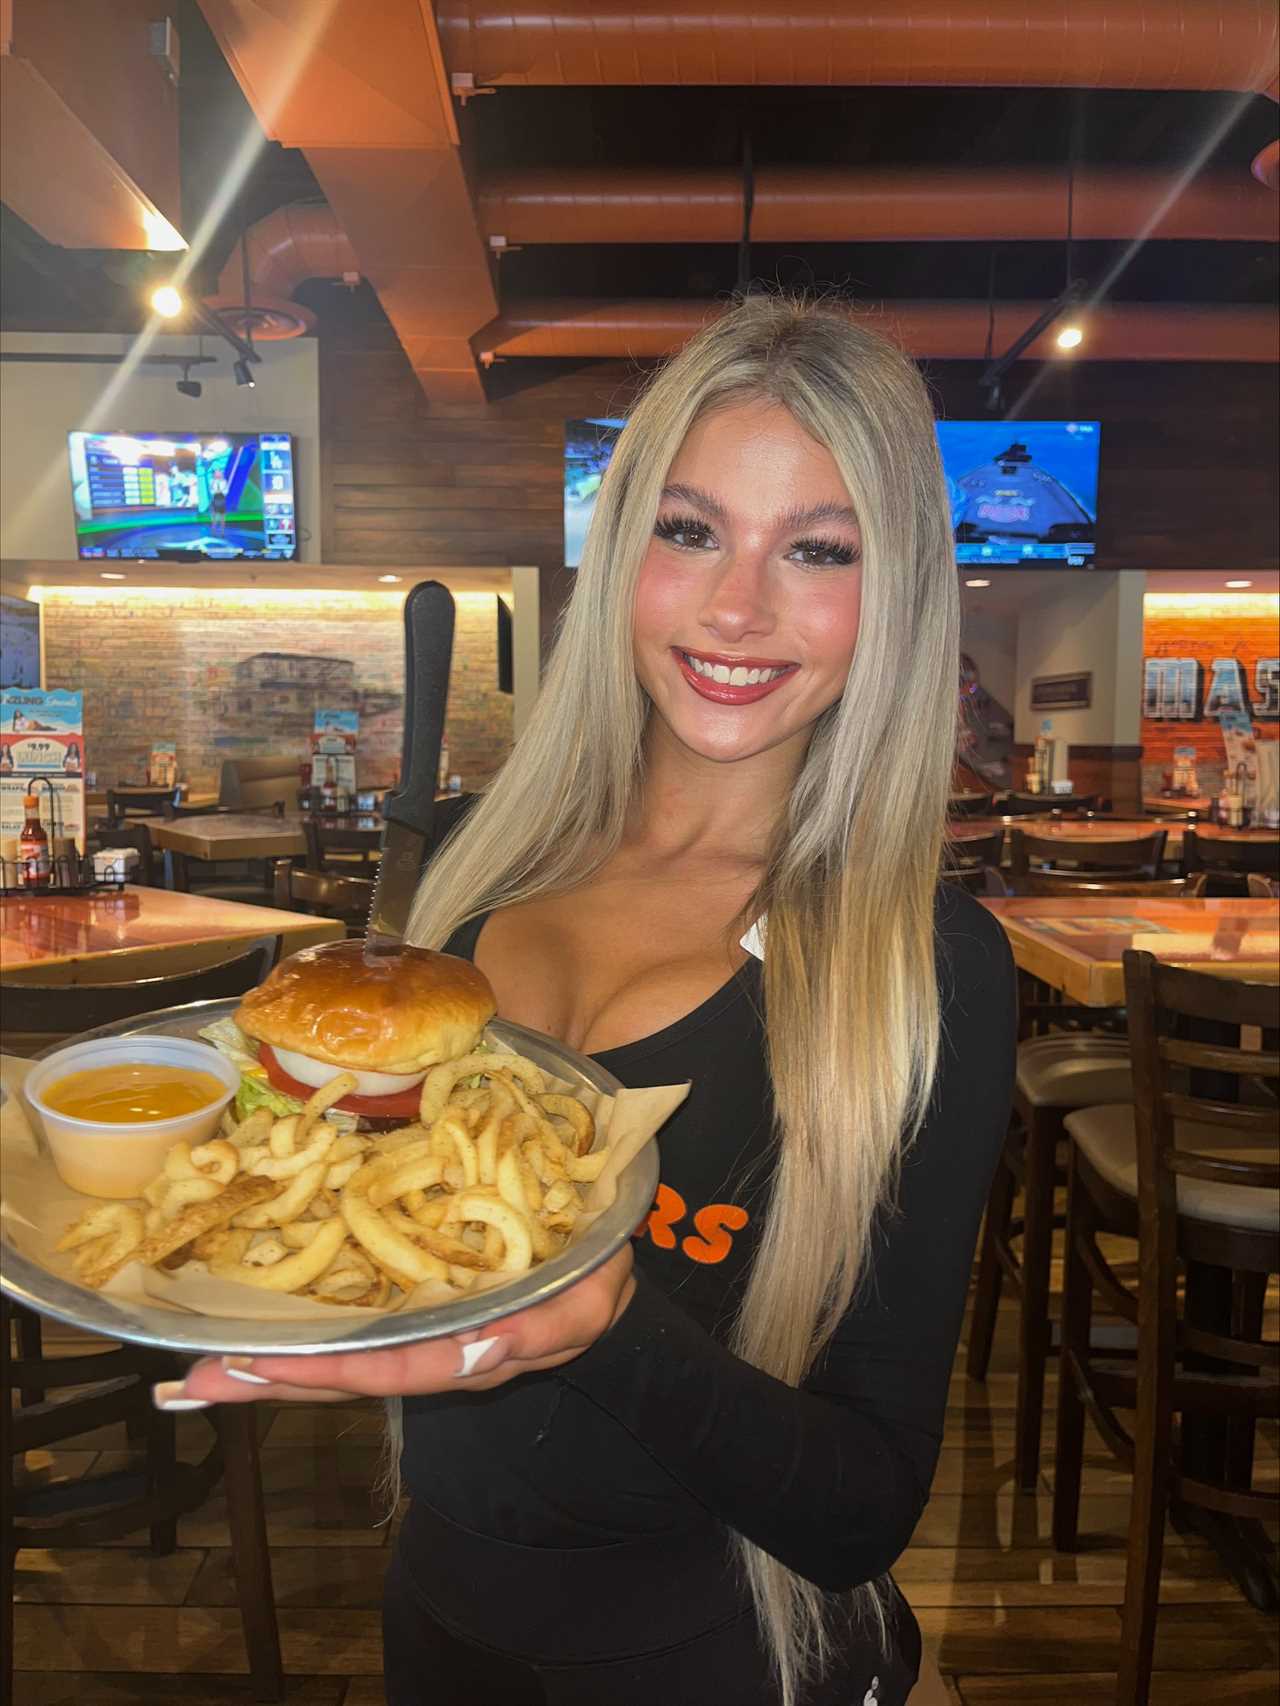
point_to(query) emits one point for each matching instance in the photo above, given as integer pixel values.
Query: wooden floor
(1009, 1621)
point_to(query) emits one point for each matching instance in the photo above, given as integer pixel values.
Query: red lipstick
(722, 692)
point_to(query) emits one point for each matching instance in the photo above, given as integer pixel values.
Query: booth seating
(248, 784)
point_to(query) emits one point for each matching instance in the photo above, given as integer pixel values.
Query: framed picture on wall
(1062, 692)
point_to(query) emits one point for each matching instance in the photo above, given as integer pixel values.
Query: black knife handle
(428, 651)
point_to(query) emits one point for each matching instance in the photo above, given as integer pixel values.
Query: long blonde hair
(850, 986)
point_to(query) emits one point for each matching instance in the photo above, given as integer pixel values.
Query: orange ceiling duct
(288, 246)
(1266, 166)
(941, 331)
(1123, 44)
(817, 204)
(362, 90)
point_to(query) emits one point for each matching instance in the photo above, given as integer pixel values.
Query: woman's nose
(739, 601)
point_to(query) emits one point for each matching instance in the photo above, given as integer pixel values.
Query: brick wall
(1185, 625)
(161, 663)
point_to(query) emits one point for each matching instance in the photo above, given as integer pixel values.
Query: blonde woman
(715, 856)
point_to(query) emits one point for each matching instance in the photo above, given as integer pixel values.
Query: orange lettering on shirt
(715, 1223)
(668, 1207)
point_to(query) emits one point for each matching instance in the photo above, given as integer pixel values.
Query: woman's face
(746, 611)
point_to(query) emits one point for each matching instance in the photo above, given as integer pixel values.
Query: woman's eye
(685, 532)
(824, 553)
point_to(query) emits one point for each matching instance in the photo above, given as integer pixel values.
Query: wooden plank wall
(1189, 453)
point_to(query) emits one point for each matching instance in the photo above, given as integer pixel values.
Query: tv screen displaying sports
(1022, 492)
(220, 495)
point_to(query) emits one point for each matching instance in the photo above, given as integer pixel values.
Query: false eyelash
(669, 525)
(844, 555)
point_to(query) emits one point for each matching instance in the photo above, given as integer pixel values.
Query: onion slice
(319, 1072)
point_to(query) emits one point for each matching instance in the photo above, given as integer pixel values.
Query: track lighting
(243, 373)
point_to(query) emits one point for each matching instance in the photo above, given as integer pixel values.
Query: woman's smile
(731, 680)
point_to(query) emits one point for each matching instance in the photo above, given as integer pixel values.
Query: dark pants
(426, 1664)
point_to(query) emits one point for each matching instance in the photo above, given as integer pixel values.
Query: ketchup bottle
(33, 847)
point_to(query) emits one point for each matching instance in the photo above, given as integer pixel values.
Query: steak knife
(410, 809)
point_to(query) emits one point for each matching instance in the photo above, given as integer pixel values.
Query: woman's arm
(832, 1479)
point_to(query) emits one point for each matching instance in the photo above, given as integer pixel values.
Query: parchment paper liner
(36, 1207)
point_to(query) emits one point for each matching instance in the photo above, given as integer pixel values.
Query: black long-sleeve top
(659, 1439)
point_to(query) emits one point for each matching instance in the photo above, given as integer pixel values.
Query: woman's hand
(545, 1336)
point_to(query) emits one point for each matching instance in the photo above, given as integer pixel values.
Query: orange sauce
(126, 1094)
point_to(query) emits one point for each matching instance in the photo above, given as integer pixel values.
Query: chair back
(347, 898)
(1164, 1004)
(63, 1010)
(1229, 859)
(971, 805)
(327, 836)
(173, 811)
(1041, 805)
(140, 802)
(1138, 858)
(1051, 883)
(1262, 888)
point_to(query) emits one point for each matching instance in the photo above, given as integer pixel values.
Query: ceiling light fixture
(1236, 585)
(189, 387)
(167, 302)
(977, 583)
(110, 575)
(389, 579)
(243, 373)
(994, 373)
(1070, 337)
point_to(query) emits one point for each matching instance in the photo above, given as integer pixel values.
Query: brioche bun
(398, 1012)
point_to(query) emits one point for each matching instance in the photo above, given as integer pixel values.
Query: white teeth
(738, 676)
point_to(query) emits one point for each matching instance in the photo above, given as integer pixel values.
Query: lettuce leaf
(257, 1093)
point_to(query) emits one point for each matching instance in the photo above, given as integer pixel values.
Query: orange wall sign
(1203, 656)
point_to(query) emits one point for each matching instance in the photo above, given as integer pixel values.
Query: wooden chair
(328, 839)
(1138, 858)
(36, 1014)
(345, 898)
(139, 802)
(174, 810)
(1042, 805)
(967, 861)
(1262, 888)
(971, 805)
(1195, 1179)
(1041, 883)
(113, 1385)
(1229, 860)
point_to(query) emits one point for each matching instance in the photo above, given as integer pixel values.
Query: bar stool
(1195, 1179)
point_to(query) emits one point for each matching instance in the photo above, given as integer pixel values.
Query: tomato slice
(400, 1104)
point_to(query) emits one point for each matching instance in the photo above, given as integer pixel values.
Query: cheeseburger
(328, 1010)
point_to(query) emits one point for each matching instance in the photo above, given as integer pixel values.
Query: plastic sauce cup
(107, 1160)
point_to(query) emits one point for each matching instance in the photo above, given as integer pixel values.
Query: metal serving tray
(168, 1329)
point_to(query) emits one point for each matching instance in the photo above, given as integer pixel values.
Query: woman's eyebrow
(790, 521)
(830, 511)
(695, 495)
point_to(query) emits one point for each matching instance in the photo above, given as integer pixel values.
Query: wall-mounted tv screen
(19, 642)
(220, 495)
(1022, 492)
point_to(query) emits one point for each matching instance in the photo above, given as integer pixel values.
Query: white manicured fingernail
(165, 1397)
(472, 1355)
(233, 1372)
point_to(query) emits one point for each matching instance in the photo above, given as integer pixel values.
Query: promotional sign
(1242, 752)
(333, 753)
(42, 752)
(162, 765)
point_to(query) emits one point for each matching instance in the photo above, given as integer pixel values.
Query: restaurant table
(132, 932)
(230, 835)
(95, 799)
(1075, 943)
(1104, 829)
